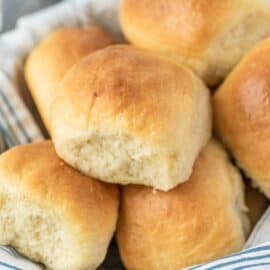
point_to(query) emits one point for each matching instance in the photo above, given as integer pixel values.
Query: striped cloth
(253, 258)
(10, 260)
(17, 125)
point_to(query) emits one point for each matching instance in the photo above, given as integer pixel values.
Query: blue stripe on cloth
(8, 129)
(251, 250)
(249, 266)
(236, 258)
(15, 118)
(10, 251)
(11, 109)
(230, 263)
(245, 252)
(7, 141)
(9, 266)
(4, 139)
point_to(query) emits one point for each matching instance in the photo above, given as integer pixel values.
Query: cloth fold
(10, 260)
(257, 258)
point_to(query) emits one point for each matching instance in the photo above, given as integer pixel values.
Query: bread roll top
(143, 117)
(209, 36)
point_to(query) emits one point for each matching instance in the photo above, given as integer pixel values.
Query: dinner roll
(52, 58)
(195, 222)
(51, 213)
(210, 36)
(256, 203)
(125, 115)
(242, 114)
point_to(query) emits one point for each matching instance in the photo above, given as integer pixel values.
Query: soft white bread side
(198, 221)
(52, 58)
(124, 115)
(209, 36)
(53, 214)
(242, 114)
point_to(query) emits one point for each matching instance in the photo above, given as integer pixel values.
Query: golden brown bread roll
(124, 115)
(195, 222)
(256, 203)
(210, 36)
(51, 213)
(52, 58)
(242, 114)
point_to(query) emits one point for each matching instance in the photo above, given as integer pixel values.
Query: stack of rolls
(140, 116)
(49, 211)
